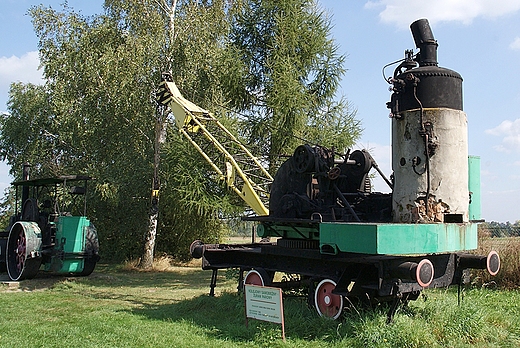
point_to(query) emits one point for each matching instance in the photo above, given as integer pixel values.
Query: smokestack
(425, 42)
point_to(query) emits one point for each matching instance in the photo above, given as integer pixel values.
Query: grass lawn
(118, 308)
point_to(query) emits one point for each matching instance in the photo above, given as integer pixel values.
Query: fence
(500, 231)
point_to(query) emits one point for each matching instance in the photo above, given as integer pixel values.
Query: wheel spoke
(21, 247)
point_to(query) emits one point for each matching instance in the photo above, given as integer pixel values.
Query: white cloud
(515, 45)
(404, 12)
(24, 69)
(510, 133)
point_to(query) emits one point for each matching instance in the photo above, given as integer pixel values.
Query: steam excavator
(323, 223)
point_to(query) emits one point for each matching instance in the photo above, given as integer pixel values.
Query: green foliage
(188, 194)
(101, 72)
(96, 115)
(273, 61)
(289, 76)
(29, 131)
(500, 229)
(7, 208)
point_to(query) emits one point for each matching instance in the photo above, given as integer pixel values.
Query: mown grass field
(115, 307)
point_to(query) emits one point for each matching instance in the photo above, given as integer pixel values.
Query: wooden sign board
(264, 303)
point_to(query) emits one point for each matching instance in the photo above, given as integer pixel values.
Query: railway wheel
(23, 245)
(328, 304)
(258, 277)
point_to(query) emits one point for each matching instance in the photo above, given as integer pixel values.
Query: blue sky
(480, 39)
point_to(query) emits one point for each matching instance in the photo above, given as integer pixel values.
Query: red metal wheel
(328, 304)
(20, 251)
(257, 277)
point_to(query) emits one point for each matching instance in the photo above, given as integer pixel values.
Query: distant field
(239, 240)
(115, 307)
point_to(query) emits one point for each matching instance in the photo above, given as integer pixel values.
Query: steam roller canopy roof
(51, 181)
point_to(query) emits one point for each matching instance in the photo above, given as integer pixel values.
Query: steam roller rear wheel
(328, 304)
(88, 268)
(23, 245)
(92, 248)
(258, 277)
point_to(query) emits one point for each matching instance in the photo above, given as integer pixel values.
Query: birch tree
(268, 69)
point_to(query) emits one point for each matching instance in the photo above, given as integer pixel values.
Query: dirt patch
(164, 263)
(39, 283)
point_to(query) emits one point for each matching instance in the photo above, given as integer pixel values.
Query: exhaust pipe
(25, 176)
(425, 42)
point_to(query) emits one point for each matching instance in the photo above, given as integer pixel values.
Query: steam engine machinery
(324, 224)
(49, 230)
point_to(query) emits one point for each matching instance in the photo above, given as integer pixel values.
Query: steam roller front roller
(23, 250)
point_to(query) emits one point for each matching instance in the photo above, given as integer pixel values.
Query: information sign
(264, 303)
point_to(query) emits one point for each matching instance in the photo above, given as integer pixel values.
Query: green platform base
(396, 239)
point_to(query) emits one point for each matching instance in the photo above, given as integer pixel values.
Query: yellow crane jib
(232, 161)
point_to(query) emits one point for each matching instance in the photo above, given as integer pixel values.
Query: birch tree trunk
(149, 243)
(146, 261)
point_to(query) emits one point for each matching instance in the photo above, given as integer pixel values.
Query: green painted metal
(474, 187)
(70, 240)
(291, 231)
(396, 239)
(72, 266)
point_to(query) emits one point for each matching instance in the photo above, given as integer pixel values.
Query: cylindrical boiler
(429, 138)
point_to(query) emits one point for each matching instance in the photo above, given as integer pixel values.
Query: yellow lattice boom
(232, 161)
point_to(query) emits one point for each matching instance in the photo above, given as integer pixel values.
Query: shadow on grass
(42, 281)
(223, 317)
(182, 297)
(114, 276)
